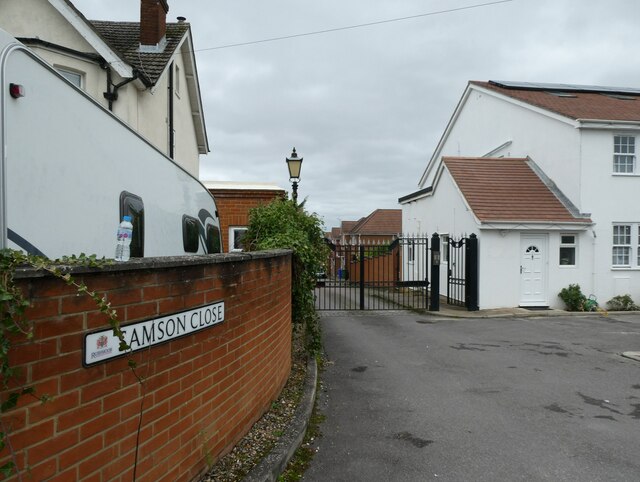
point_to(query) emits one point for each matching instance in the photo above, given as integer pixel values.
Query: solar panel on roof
(507, 84)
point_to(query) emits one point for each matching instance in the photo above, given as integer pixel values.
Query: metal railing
(376, 274)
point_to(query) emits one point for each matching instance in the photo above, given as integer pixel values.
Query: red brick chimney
(153, 23)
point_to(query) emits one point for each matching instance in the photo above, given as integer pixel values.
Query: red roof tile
(587, 104)
(380, 221)
(347, 226)
(507, 189)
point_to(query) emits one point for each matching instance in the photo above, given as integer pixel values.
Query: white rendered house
(547, 177)
(143, 71)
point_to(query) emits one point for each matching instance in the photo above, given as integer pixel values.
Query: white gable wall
(485, 122)
(22, 18)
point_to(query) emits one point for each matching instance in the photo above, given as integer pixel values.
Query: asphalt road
(479, 399)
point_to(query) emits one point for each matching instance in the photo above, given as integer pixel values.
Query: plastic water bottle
(125, 231)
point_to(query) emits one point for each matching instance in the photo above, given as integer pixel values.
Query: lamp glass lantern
(294, 163)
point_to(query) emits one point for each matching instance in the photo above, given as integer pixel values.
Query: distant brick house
(381, 225)
(234, 200)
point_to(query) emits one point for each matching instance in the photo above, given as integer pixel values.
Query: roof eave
(609, 124)
(435, 157)
(88, 32)
(415, 196)
(191, 73)
(547, 225)
(185, 49)
(527, 105)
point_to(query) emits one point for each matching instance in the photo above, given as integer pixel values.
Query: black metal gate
(462, 275)
(378, 275)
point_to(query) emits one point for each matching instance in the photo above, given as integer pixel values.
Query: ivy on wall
(285, 224)
(15, 325)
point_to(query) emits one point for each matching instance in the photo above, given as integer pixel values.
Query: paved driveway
(479, 399)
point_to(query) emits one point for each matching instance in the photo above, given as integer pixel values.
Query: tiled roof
(347, 226)
(507, 189)
(574, 102)
(124, 38)
(380, 221)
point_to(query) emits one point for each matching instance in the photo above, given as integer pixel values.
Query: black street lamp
(294, 163)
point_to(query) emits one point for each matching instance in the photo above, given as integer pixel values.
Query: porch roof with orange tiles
(507, 190)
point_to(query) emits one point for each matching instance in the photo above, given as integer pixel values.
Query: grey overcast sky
(366, 106)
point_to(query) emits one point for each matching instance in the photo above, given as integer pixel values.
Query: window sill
(625, 268)
(625, 174)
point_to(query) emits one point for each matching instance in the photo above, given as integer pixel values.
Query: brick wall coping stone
(135, 264)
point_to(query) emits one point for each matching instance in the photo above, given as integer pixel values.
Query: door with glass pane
(533, 270)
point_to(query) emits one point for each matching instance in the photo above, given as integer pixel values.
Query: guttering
(607, 124)
(86, 31)
(112, 89)
(535, 225)
(414, 196)
(36, 42)
(170, 87)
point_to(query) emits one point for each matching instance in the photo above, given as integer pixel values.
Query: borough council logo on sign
(103, 345)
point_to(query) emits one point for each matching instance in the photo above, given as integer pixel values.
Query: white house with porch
(546, 175)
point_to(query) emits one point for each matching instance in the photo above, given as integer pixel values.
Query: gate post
(362, 276)
(471, 275)
(434, 302)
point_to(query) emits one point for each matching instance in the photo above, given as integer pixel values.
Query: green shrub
(622, 303)
(284, 224)
(573, 298)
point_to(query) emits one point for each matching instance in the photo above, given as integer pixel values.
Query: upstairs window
(621, 253)
(177, 81)
(624, 154)
(74, 77)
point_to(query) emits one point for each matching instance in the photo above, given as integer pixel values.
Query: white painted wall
(485, 122)
(500, 260)
(611, 199)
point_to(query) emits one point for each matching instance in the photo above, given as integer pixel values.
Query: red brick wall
(234, 205)
(202, 390)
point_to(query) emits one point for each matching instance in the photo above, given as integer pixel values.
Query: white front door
(533, 270)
